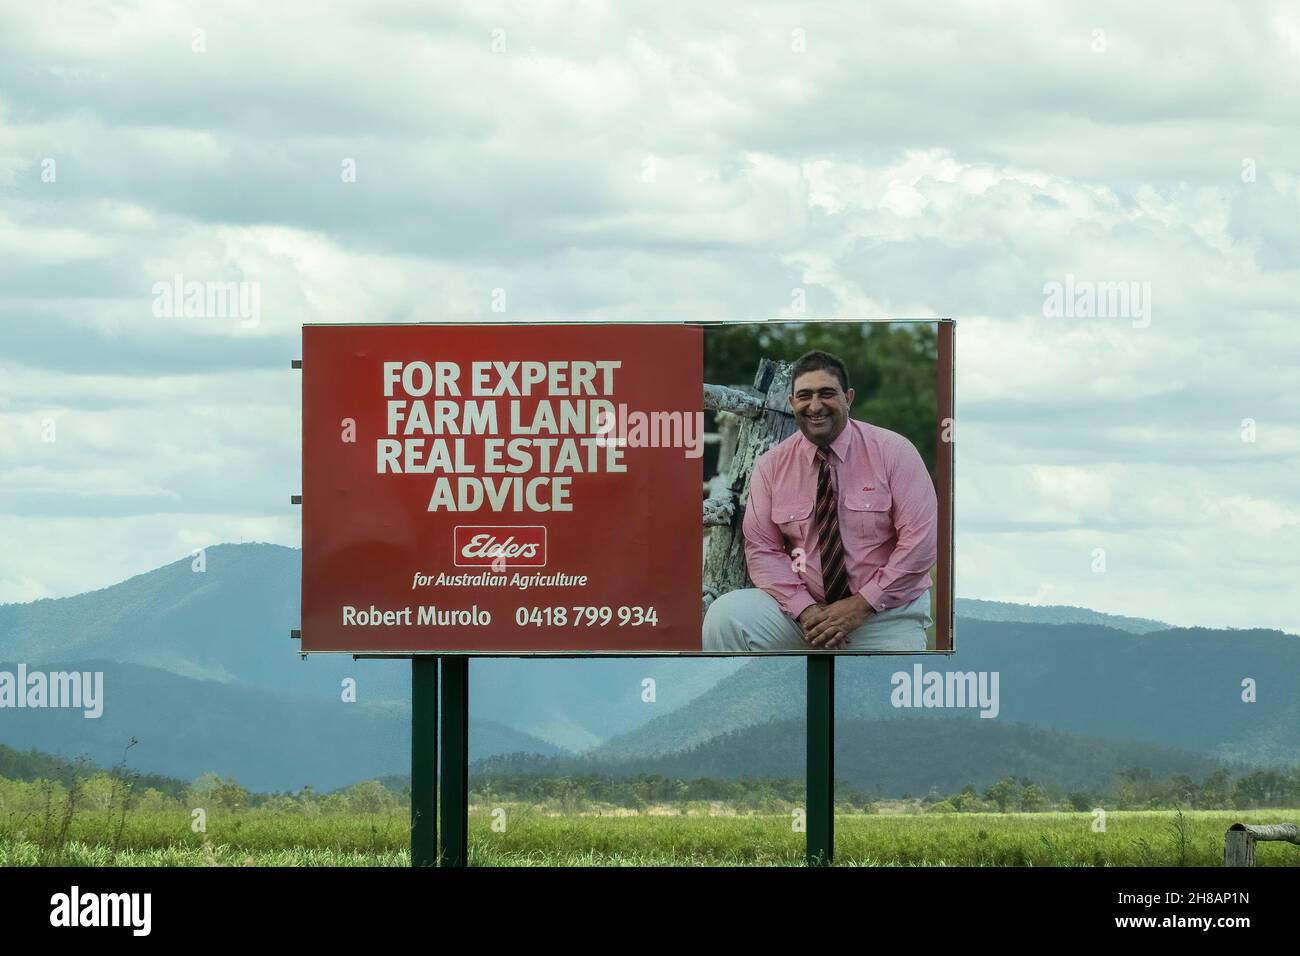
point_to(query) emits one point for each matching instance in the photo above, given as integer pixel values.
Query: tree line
(112, 792)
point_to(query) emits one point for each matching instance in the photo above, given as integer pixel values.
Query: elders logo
(485, 546)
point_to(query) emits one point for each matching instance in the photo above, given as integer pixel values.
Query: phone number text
(586, 616)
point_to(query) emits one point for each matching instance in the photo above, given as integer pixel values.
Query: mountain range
(200, 668)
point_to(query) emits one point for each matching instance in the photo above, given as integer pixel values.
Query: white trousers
(751, 620)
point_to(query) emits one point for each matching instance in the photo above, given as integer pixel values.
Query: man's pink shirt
(888, 519)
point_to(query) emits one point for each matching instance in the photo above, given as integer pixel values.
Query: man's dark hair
(814, 360)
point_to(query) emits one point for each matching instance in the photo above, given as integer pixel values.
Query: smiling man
(840, 533)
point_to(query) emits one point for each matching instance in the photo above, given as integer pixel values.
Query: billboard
(602, 489)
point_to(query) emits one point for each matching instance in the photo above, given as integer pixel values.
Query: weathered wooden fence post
(1239, 841)
(729, 430)
(765, 419)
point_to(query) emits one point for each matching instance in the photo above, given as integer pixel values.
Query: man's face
(821, 407)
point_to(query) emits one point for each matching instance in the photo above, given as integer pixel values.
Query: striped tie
(835, 577)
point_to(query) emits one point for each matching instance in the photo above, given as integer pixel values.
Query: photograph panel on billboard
(600, 488)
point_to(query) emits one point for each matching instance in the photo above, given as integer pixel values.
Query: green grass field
(532, 838)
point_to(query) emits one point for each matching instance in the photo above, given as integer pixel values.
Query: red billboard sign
(542, 489)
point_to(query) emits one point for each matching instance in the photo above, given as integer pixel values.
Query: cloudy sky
(400, 161)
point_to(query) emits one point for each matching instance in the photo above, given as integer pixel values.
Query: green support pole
(455, 761)
(424, 761)
(821, 760)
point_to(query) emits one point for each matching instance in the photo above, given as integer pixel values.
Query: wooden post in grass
(1239, 841)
